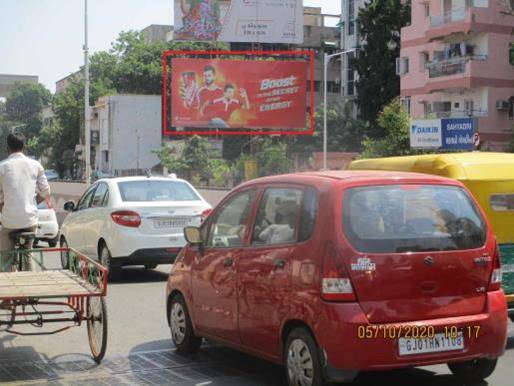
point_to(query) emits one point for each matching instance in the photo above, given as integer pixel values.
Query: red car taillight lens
(336, 285)
(496, 276)
(126, 218)
(206, 214)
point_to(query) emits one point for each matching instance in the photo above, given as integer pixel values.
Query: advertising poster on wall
(249, 94)
(263, 21)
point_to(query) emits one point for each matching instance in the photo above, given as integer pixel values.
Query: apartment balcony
(456, 73)
(457, 114)
(452, 66)
(458, 20)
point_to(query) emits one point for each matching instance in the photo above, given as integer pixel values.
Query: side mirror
(192, 235)
(69, 206)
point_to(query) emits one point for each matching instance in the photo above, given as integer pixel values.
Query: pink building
(455, 62)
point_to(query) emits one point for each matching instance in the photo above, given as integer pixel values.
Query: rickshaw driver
(21, 179)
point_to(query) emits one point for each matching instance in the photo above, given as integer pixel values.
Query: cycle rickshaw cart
(73, 297)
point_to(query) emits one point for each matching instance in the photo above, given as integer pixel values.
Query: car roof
(461, 166)
(351, 176)
(140, 178)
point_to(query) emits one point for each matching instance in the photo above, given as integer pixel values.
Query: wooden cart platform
(44, 285)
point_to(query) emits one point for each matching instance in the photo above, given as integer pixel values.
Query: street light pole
(87, 122)
(326, 62)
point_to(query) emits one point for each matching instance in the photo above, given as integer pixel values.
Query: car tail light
(496, 276)
(206, 214)
(335, 282)
(126, 218)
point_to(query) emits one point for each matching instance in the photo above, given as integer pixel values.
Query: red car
(333, 273)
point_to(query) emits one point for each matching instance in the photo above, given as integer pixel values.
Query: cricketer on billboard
(254, 94)
(264, 21)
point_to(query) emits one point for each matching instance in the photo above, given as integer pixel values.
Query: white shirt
(20, 179)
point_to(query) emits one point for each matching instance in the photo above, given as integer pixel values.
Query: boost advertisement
(264, 21)
(251, 94)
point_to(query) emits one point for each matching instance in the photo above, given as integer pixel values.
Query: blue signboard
(458, 133)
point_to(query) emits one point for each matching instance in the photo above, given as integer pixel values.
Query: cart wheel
(97, 327)
(7, 315)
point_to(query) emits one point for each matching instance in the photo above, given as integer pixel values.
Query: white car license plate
(172, 223)
(439, 343)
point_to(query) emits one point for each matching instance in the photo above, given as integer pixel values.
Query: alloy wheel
(300, 364)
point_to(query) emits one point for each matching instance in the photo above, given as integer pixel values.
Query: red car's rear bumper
(337, 332)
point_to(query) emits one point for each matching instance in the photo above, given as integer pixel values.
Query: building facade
(125, 130)
(8, 81)
(350, 39)
(456, 63)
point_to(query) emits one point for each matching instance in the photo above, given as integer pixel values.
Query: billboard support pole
(326, 62)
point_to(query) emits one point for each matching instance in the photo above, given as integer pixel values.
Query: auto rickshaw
(490, 178)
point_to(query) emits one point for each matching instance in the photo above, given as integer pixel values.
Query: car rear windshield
(411, 218)
(138, 191)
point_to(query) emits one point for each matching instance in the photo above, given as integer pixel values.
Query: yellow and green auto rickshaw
(490, 178)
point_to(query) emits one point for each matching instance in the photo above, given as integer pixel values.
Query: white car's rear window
(411, 218)
(139, 191)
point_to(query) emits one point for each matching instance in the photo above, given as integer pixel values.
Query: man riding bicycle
(21, 178)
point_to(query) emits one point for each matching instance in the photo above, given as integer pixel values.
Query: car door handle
(280, 264)
(228, 262)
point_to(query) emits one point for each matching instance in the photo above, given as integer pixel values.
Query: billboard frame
(175, 53)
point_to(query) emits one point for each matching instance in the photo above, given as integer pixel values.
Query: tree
(24, 104)
(345, 133)
(394, 120)
(379, 26)
(192, 163)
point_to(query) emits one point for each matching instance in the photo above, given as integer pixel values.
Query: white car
(48, 227)
(133, 221)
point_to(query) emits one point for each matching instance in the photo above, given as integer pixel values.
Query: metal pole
(87, 122)
(326, 61)
(325, 91)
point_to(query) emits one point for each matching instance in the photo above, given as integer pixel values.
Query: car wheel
(181, 327)
(53, 243)
(473, 371)
(303, 367)
(150, 266)
(105, 260)
(65, 262)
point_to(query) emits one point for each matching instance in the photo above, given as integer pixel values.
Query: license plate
(172, 223)
(439, 343)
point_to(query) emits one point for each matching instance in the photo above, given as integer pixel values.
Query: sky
(45, 37)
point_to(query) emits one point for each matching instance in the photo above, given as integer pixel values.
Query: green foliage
(221, 172)
(379, 27)
(193, 163)
(344, 132)
(24, 104)
(395, 122)
(272, 158)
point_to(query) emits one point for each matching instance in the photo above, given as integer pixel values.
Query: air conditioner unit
(502, 105)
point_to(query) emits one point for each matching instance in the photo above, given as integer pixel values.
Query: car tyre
(53, 243)
(65, 258)
(301, 359)
(473, 371)
(105, 260)
(181, 327)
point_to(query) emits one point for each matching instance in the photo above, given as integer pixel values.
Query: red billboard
(238, 94)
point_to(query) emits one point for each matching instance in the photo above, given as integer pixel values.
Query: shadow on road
(139, 275)
(218, 364)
